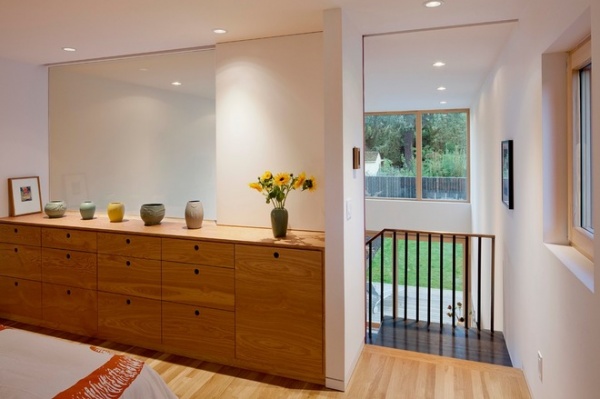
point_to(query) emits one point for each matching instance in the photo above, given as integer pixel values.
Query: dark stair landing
(459, 343)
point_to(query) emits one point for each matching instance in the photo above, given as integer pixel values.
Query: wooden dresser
(225, 294)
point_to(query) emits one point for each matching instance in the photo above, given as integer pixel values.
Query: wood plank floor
(443, 340)
(381, 373)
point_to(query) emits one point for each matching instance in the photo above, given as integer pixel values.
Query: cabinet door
(20, 299)
(129, 319)
(129, 245)
(197, 252)
(198, 285)
(22, 261)
(73, 268)
(279, 310)
(70, 308)
(77, 240)
(18, 234)
(198, 331)
(129, 276)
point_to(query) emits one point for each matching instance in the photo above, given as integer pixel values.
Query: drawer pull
(196, 271)
(196, 247)
(68, 235)
(68, 256)
(68, 292)
(16, 231)
(128, 301)
(16, 250)
(128, 263)
(276, 255)
(16, 283)
(197, 313)
(128, 241)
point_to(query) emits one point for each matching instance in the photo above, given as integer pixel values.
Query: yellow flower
(281, 179)
(266, 176)
(311, 184)
(299, 181)
(256, 186)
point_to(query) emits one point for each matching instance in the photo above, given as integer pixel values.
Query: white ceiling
(35, 31)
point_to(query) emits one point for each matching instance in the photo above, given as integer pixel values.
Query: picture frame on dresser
(24, 196)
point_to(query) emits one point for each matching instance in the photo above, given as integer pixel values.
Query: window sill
(579, 265)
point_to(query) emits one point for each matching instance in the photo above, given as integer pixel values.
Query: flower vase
(87, 210)
(116, 211)
(279, 222)
(194, 214)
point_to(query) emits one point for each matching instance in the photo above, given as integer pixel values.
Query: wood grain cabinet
(69, 280)
(279, 310)
(20, 273)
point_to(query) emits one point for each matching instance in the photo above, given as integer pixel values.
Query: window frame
(578, 237)
(419, 153)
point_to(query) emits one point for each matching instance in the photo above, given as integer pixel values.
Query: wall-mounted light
(355, 158)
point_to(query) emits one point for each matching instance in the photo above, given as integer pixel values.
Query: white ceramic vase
(194, 214)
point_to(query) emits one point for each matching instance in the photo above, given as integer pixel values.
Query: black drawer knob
(128, 301)
(196, 271)
(196, 247)
(68, 235)
(128, 241)
(197, 313)
(16, 250)
(128, 263)
(276, 255)
(16, 230)
(68, 256)
(68, 292)
(16, 283)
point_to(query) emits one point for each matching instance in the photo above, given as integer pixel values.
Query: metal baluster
(395, 276)
(479, 284)
(441, 281)
(466, 288)
(429, 279)
(453, 280)
(405, 275)
(493, 281)
(370, 288)
(418, 262)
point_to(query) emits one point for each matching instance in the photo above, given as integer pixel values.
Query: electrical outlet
(540, 365)
(348, 209)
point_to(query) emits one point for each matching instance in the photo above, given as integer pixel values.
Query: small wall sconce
(355, 158)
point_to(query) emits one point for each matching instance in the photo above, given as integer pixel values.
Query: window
(581, 229)
(420, 155)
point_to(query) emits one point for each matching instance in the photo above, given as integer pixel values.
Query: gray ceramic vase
(194, 214)
(87, 210)
(152, 214)
(55, 209)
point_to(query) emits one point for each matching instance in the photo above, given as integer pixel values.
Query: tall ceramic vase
(116, 211)
(279, 222)
(194, 214)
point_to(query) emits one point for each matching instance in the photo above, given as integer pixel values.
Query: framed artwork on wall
(507, 174)
(24, 196)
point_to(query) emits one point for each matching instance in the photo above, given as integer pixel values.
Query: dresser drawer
(198, 285)
(69, 308)
(199, 331)
(71, 268)
(20, 299)
(129, 276)
(77, 240)
(197, 252)
(20, 261)
(129, 245)
(129, 319)
(19, 234)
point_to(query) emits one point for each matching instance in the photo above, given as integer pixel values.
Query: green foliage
(423, 264)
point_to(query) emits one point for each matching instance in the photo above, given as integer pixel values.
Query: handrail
(453, 239)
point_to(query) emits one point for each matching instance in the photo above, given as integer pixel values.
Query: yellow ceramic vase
(116, 211)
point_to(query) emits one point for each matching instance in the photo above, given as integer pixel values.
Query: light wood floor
(381, 373)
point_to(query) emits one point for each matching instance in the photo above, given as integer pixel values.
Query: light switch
(348, 209)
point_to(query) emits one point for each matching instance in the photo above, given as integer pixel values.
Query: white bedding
(37, 366)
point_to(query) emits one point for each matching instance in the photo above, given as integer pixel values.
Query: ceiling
(35, 31)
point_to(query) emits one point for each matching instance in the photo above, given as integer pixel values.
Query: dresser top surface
(176, 228)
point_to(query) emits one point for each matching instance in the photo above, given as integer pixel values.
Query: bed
(38, 366)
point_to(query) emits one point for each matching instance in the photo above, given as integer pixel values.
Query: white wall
(115, 141)
(270, 117)
(23, 126)
(344, 231)
(547, 308)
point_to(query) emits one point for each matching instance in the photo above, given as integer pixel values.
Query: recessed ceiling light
(219, 31)
(176, 83)
(71, 49)
(441, 88)
(144, 69)
(433, 3)
(443, 102)
(439, 64)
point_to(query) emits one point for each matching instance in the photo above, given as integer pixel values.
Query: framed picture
(24, 196)
(507, 173)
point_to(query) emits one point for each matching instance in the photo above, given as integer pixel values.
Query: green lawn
(423, 261)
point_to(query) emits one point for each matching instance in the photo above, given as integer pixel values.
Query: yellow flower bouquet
(276, 188)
